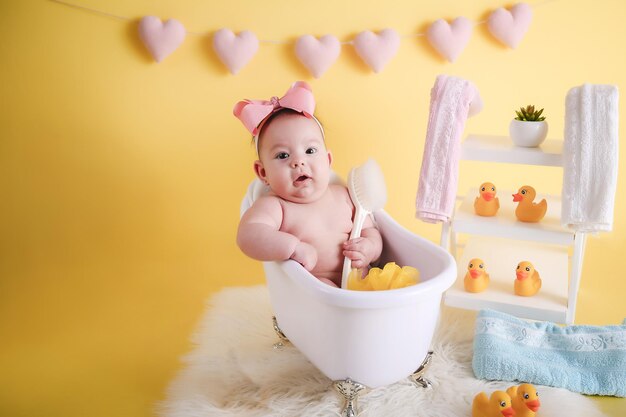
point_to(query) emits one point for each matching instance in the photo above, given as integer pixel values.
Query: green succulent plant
(529, 114)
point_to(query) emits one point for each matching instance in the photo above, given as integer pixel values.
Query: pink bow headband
(253, 113)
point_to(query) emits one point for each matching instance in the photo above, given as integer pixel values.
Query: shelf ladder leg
(453, 243)
(444, 241)
(576, 271)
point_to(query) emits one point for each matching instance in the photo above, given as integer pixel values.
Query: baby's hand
(306, 255)
(361, 251)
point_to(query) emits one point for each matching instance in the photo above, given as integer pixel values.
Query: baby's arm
(366, 249)
(259, 235)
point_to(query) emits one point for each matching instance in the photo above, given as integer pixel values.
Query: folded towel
(451, 101)
(585, 359)
(590, 155)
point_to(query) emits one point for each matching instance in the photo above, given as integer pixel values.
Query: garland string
(267, 41)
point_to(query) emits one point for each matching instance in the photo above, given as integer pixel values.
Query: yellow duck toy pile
(486, 204)
(476, 279)
(498, 405)
(527, 282)
(525, 400)
(388, 278)
(526, 210)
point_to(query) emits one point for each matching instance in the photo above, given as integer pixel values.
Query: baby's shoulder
(269, 205)
(338, 189)
(340, 192)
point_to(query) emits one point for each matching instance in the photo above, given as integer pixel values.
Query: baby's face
(293, 159)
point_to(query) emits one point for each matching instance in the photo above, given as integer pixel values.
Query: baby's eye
(282, 155)
(311, 150)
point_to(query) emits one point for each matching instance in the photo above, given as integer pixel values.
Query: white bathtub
(374, 338)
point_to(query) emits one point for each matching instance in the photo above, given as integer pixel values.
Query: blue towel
(585, 359)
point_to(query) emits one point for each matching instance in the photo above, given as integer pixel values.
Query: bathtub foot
(283, 339)
(418, 376)
(350, 391)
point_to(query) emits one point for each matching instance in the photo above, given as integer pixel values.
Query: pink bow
(252, 113)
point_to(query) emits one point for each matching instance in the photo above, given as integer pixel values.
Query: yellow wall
(120, 179)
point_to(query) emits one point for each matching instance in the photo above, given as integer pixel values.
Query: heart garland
(450, 39)
(318, 55)
(377, 50)
(509, 27)
(235, 51)
(161, 39)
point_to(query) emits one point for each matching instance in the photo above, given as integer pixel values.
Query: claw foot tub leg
(350, 391)
(418, 376)
(283, 339)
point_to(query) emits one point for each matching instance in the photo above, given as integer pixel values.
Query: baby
(303, 217)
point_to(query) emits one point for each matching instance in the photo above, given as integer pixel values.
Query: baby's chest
(314, 220)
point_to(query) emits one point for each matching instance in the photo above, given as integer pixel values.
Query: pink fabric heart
(377, 50)
(510, 27)
(235, 51)
(161, 39)
(450, 39)
(317, 55)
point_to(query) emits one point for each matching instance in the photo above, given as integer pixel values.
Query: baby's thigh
(329, 282)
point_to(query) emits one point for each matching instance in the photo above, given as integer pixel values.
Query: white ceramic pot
(528, 134)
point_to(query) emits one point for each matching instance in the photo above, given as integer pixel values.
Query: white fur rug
(234, 371)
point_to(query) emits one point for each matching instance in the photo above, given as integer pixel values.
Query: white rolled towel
(590, 158)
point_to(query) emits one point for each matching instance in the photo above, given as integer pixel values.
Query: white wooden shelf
(501, 257)
(505, 224)
(502, 241)
(491, 148)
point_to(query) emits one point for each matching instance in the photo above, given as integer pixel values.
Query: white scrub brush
(368, 192)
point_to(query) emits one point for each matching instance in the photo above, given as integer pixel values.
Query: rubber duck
(476, 279)
(525, 400)
(526, 210)
(498, 405)
(527, 282)
(486, 204)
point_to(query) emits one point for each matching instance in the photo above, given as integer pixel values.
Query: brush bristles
(367, 185)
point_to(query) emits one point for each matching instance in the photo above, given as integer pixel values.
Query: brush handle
(359, 219)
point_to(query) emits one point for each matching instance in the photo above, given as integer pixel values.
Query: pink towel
(452, 100)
